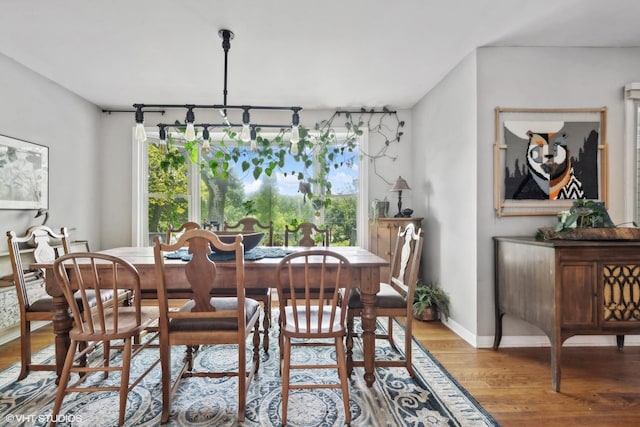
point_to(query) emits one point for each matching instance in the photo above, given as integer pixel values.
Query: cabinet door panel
(579, 294)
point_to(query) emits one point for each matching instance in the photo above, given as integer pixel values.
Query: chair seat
(223, 323)
(388, 297)
(41, 305)
(46, 303)
(126, 324)
(290, 326)
(232, 291)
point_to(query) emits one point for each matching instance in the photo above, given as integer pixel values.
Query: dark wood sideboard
(568, 288)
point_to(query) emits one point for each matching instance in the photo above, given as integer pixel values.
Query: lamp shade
(400, 185)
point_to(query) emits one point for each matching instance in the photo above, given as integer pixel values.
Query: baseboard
(486, 341)
(12, 333)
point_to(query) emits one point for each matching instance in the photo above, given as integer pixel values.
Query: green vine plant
(584, 213)
(320, 145)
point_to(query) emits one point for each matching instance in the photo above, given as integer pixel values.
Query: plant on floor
(428, 296)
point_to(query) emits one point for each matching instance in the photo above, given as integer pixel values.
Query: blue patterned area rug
(432, 398)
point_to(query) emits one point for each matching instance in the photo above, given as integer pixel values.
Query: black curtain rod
(132, 111)
(221, 125)
(216, 107)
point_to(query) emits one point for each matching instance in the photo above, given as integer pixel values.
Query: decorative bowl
(250, 239)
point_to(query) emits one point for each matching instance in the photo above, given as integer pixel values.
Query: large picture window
(188, 192)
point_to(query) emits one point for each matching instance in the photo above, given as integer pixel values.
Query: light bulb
(245, 135)
(190, 132)
(254, 142)
(294, 148)
(295, 134)
(141, 134)
(206, 147)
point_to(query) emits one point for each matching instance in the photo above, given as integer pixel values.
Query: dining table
(258, 273)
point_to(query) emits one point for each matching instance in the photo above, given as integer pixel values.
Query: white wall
(37, 110)
(544, 78)
(506, 77)
(445, 169)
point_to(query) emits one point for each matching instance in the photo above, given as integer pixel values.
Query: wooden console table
(567, 288)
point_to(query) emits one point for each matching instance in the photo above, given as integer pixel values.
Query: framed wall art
(24, 174)
(546, 158)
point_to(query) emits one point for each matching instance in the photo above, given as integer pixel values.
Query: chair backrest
(405, 263)
(83, 275)
(76, 246)
(312, 280)
(252, 224)
(307, 231)
(41, 238)
(189, 225)
(201, 275)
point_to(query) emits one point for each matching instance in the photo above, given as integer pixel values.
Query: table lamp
(399, 186)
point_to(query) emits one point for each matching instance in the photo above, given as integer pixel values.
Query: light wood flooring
(600, 386)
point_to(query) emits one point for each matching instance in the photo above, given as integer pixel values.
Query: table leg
(556, 352)
(61, 327)
(369, 287)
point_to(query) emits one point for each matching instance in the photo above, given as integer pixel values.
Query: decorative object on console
(587, 220)
(400, 185)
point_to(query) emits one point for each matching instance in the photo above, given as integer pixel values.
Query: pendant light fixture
(248, 130)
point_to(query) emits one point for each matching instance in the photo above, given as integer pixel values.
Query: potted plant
(428, 300)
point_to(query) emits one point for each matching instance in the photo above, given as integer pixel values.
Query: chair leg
(266, 322)
(64, 380)
(165, 362)
(407, 346)
(281, 344)
(392, 342)
(286, 360)
(349, 340)
(344, 379)
(256, 347)
(25, 348)
(124, 381)
(242, 376)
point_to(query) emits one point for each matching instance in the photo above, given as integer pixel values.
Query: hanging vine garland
(320, 145)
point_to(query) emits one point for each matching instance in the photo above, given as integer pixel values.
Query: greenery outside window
(187, 192)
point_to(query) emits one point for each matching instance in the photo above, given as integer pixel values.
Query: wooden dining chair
(103, 324)
(206, 319)
(47, 244)
(395, 299)
(173, 233)
(308, 321)
(263, 294)
(43, 239)
(307, 232)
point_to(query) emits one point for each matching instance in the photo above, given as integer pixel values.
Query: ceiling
(315, 54)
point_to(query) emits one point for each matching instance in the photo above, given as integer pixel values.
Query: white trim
(362, 220)
(630, 166)
(138, 178)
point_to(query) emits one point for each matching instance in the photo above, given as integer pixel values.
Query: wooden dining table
(258, 273)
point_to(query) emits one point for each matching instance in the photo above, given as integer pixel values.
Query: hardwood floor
(600, 386)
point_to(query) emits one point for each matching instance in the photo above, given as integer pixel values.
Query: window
(186, 192)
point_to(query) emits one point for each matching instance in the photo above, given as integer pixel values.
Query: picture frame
(24, 174)
(546, 158)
